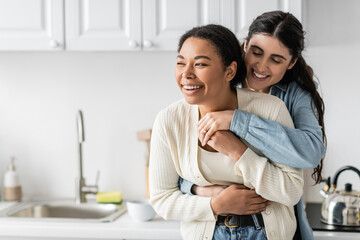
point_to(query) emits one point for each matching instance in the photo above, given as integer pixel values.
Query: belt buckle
(227, 222)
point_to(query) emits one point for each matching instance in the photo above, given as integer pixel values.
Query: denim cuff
(240, 123)
(185, 186)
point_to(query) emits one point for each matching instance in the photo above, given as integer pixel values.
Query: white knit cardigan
(174, 146)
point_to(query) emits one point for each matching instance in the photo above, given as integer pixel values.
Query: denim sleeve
(301, 147)
(185, 186)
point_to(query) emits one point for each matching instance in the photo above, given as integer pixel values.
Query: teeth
(191, 87)
(259, 75)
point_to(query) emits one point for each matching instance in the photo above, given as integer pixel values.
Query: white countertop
(122, 228)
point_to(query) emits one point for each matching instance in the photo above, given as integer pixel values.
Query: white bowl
(140, 210)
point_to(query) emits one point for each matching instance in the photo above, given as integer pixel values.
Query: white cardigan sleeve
(275, 182)
(165, 195)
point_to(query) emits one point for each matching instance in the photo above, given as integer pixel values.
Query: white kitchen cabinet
(115, 25)
(31, 25)
(164, 21)
(132, 24)
(103, 25)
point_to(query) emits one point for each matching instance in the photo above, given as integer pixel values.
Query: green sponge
(109, 197)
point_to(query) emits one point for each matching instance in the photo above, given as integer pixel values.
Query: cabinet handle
(133, 44)
(54, 44)
(148, 44)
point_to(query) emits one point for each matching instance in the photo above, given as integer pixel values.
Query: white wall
(120, 93)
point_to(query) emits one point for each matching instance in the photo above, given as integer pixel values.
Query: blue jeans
(240, 233)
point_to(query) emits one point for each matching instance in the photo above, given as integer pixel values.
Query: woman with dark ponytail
(274, 64)
(288, 30)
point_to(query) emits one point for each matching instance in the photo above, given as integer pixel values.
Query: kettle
(340, 207)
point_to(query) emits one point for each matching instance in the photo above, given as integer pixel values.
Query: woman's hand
(227, 143)
(208, 191)
(239, 200)
(212, 122)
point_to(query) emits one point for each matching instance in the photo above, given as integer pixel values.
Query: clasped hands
(213, 130)
(234, 199)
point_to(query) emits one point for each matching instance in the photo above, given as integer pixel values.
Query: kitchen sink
(65, 210)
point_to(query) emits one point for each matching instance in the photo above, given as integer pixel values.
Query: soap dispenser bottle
(12, 188)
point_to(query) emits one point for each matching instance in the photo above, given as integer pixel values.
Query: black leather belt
(234, 221)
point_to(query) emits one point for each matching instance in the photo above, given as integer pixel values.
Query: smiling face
(201, 76)
(266, 60)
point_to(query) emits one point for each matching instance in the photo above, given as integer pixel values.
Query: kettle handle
(333, 185)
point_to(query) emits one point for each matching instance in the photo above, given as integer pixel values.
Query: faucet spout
(81, 140)
(81, 189)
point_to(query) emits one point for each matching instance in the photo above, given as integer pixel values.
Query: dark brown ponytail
(304, 77)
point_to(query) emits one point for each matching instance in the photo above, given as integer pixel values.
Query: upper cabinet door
(31, 25)
(164, 21)
(237, 15)
(103, 25)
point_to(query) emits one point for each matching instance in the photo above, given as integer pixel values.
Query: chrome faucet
(81, 188)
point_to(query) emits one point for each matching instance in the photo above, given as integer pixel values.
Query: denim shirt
(301, 147)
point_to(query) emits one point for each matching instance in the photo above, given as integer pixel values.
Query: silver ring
(203, 130)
